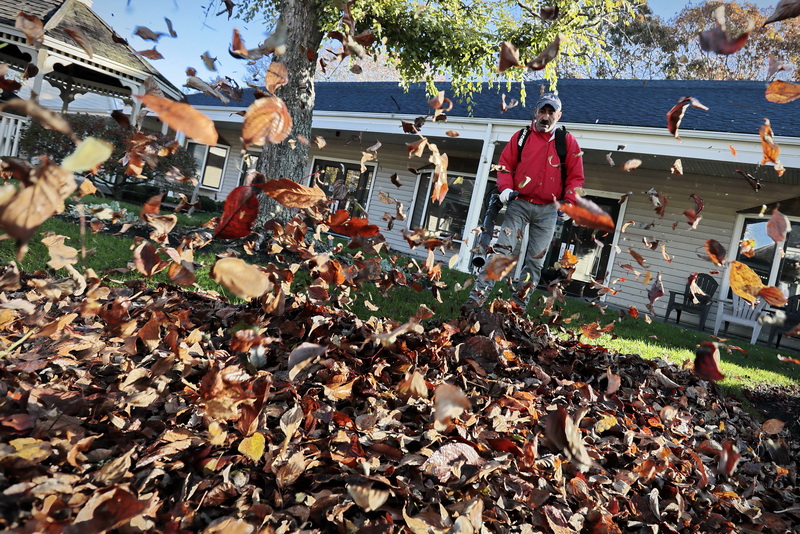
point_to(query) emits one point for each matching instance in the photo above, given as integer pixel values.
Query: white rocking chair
(742, 313)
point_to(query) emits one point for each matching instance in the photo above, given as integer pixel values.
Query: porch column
(44, 65)
(476, 201)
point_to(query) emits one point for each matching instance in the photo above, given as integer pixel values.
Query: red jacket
(537, 177)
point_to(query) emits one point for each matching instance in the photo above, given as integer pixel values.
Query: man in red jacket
(536, 176)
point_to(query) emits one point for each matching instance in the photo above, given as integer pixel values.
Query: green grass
(196, 219)
(753, 365)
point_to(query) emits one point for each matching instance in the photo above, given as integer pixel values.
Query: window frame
(202, 168)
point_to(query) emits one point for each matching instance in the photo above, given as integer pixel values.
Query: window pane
(450, 217)
(215, 166)
(763, 248)
(198, 152)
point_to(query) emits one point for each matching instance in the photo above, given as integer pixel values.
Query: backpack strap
(523, 136)
(561, 150)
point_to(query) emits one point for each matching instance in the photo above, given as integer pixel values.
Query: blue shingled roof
(734, 106)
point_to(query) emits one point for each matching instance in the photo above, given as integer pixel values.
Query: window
(211, 162)
(449, 218)
(345, 184)
(778, 264)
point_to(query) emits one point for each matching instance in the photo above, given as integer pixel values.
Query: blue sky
(200, 30)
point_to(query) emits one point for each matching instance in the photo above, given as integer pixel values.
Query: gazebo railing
(10, 134)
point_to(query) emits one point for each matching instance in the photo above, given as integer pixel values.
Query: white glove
(504, 194)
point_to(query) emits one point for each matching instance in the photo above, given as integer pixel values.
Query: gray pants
(541, 222)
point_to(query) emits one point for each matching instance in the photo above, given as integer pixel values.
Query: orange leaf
(183, 118)
(291, 194)
(267, 121)
(773, 296)
(769, 147)
(745, 282)
(151, 207)
(778, 226)
(781, 92)
(587, 213)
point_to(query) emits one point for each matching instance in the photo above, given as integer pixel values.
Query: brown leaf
(32, 27)
(267, 121)
(566, 436)
(769, 148)
(716, 252)
(150, 53)
(183, 118)
(151, 207)
(547, 55)
(675, 115)
(593, 330)
(367, 497)
(778, 226)
(277, 76)
(147, 34)
(80, 38)
(48, 119)
(301, 357)
(499, 266)
(291, 194)
(23, 210)
(509, 57)
(773, 426)
(147, 261)
(240, 278)
(786, 9)
(440, 464)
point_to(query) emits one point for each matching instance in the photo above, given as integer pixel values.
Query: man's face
(546, 118)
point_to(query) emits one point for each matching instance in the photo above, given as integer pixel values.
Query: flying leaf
(150, 53)
(655, 292)
(238, 214)
(587, 213)
(151, 207)
(32, 27)
(547, 55)
(48, 119)
(745, 282)
(677, 167)
(754, 182)
(769, 148)
(781, 92)
(728, 458)
(594, 331)
(147, 261)
(505, 106)
(631, 164)
(80, 38)
(786, 9)
(675, 115)
(147, 34)
(717, 39)
(499, 266)
(778, 226)
(277, 76)
(291, 194)
(566, 436)
(716, 252)
(183, 118)
(706, 362)
(773, 426)
(341, 222)
(509, 57)
(773, 296)
(90, 154)
(23, 210)
(267, 121)
(240, 278)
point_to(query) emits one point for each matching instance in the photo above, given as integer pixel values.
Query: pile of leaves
(141, 408)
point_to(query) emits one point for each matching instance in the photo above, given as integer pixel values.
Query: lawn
(744, 365)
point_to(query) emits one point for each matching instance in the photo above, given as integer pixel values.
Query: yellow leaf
(89, 154)
(253, 446)
(605, 423)
(453, 261)
(31, 449)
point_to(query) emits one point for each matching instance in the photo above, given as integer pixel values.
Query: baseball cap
(549, 99)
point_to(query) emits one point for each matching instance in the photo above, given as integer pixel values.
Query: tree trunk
(281, 160)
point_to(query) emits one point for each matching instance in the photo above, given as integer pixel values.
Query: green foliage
(37, 140)
(208, 204)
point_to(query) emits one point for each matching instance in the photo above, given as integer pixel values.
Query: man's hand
(505, 195)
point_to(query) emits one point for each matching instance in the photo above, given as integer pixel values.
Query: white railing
(10, 133)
